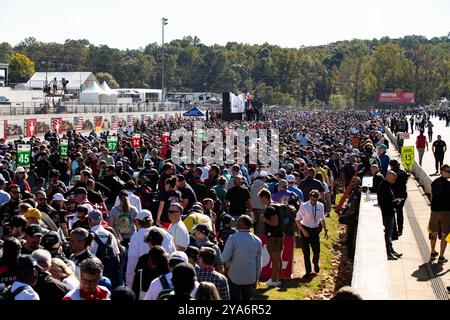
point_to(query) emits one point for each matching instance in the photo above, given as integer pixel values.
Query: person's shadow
(421, 274)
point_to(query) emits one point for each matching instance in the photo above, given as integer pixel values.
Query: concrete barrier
(419, 174)
(371, 276)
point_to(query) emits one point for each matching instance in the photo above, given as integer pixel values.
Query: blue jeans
(240, 292)
(388, 222)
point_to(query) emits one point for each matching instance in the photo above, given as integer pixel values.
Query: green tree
(21, 68)
(104, 76)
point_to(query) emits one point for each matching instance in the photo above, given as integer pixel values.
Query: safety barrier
(419, 173)
(371, 277)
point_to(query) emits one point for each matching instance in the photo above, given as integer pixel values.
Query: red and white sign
(30, 127)
(165, 138)
(57, 125)
(396, 97)
(287, 259)
(136, 140)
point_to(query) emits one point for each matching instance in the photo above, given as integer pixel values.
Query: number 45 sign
(408, 157)
(23, 155)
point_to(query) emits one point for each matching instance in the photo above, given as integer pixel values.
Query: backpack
(106, 255)
(124, 224)
(286, 217)
(167, 291)
(7, 295)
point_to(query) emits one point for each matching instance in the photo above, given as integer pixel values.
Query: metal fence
(33, 108)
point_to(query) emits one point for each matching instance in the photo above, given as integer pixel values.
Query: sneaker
(442, 260)
(271, 283)
(433, 256)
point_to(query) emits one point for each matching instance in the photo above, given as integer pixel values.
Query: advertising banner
(396, 97)
(287, 258)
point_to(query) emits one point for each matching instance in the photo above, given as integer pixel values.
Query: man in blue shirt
(293, 188)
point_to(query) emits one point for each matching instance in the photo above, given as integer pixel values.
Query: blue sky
(288, 23)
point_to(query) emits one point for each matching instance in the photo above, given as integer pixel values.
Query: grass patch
(297, 288)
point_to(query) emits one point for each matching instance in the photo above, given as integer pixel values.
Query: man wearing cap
(25, 269)
(177, 228)
(258, 207)
(195, 216)
(156, 286)
(293, 188)
(400, 191)
(200, 239)
(52, 243)
(81, 216)
(238, 199)
(17, 225)
(102, 237)
(242, 255)
(139, 246)
(135, 201)
(280, 175)
(283, 195)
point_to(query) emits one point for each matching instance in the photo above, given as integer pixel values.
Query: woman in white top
(62, 272)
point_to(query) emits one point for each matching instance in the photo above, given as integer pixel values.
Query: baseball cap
(50, 240)
(95, 215)
(179, 255)
(17, 221)
(203, 228)
(144, 214)
(196, 207)
(383, 146)
(290, 178)
(25, 262)
(227, 219)
(154, 235)
(19, 170)
(263, 174)
(192, 252)
(282, 172)
(33, 213)
(58, 197)
(34, 230)
(119, 164)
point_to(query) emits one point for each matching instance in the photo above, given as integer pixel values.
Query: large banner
(396, 97)
(30, 127)
(57, 125)
(98, 123)
(78, 123)
(237, 103)
(287, 258)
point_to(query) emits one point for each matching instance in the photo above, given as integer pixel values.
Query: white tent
(112, 94)
(93, 94)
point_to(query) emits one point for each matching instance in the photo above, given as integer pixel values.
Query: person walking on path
(439, 148)
(430, 130)
(387, 203)
(309, 218)
(421, 143)
(440, 213)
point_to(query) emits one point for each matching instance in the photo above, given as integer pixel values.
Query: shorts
(275, 244)
(439, 222)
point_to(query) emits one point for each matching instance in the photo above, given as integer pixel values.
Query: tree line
(340, 74)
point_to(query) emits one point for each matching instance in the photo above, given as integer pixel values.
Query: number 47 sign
(23, 155)
(408, 157)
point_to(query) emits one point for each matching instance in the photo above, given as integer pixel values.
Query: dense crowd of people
(133, 224)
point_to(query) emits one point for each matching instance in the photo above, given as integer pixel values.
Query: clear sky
(288, 23)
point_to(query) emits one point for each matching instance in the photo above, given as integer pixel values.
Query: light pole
(164, 22)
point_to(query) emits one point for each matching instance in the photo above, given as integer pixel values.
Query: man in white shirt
(178, 229)
(25, 269)
(138, 245)
(309, 218)
(156, 285)
(135, 201)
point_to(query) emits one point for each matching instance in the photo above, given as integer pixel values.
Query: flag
(130, 120)
(115, 122)
(144, 118)
(57, 125)
(30, 127)
(98, 123)
(78, 123)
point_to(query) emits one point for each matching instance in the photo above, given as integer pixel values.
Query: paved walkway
(410, 279)
(428, 163)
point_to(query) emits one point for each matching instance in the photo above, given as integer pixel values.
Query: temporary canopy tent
(93, 94)
(111, 94)
(194, 112)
